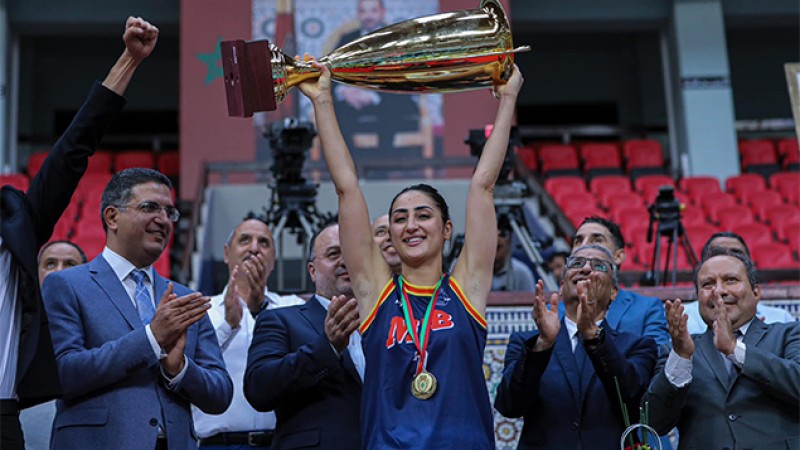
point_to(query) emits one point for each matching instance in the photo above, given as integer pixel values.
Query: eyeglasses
(596, 264)
(154, 208)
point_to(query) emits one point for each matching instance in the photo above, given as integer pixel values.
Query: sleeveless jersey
(458, 415)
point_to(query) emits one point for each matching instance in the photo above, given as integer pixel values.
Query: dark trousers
(10, 429)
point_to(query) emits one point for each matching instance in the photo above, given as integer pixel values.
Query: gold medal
(423, 386)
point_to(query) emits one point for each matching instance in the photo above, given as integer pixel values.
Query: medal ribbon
(421, 342)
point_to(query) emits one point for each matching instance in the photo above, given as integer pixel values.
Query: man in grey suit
(133, 349)
(736, 386)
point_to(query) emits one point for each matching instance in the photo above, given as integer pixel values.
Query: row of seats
(104, 161)
(646, 156)
(763, 214)
(594, 158)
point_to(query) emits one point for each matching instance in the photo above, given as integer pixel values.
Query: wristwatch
(598, 338)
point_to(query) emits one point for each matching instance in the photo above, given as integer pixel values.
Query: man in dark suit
(366, 111)
(134, 350)
(631, 312)
(737, 385)
(27, 365)
(307, 364)
(562, 379)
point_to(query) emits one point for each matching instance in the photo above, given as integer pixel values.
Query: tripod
(510, 209)
(674, 231)
(293, 210)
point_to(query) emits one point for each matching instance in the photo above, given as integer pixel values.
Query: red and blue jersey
(459, 414)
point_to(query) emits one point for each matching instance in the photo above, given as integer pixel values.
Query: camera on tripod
(665, 208)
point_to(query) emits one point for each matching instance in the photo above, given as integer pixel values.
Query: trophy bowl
(447, 52)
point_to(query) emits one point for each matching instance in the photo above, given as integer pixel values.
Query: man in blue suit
(562, 378)
(28, 373)
(133, 349)
(306, 363)
(631, 312)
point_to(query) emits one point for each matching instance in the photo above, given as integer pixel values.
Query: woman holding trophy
(423, 331)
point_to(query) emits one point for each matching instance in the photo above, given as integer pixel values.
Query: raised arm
(368, 271)
(140, 39)
(474, 266)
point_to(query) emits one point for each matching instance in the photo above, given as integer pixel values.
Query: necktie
(142, 296)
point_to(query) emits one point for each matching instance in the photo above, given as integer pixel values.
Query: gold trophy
(448, 52)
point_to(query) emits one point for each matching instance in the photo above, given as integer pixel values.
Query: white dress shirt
(123, 268)
(235, 342)
(679, 370)
(11, 321)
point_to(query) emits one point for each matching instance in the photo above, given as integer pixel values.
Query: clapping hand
(546, 319)
(682, 342)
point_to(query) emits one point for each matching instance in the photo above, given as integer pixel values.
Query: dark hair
(431, 192)
(612, 228)
(52, 243)
(722, 234)
(119, 189)
(749, 268)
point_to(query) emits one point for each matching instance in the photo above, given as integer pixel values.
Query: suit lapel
(712, 357)
(755, 332)
(617, 309)
(563, 351)
(315, 314)
(159, 287)
(107, 280)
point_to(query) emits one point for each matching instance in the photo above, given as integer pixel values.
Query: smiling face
(380, 234)
(417, 229)
(725, 277)
(135, 235)
(606, 291)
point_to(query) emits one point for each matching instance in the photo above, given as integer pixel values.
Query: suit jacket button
(153, 422)
(575, 425)
(732, 417)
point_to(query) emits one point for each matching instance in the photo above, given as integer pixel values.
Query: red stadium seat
(760, 202)
(791, 234)
(649, 185)
(17, 180)
(608, 186)
(100, 162)
(169, 163)
(696, 187)
(565, 184)
(527, 155)
(731, 217)
(63, 229)
(754, 233)
(643, 157)
(92, 184)
(757, 152)
(779, 216)
(565, 200)
(135, 158)
(789, 153)
(692, 216)
(35, 161)
(616, 201)
(747, 182)
(577, 212)
(698, 235)
(773, 256)
(601, 158)
(631, 218)
(559, 159)
(788, 184)
(713, 203)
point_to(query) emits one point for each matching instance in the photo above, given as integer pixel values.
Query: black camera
(666, 208)
(289, 140)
